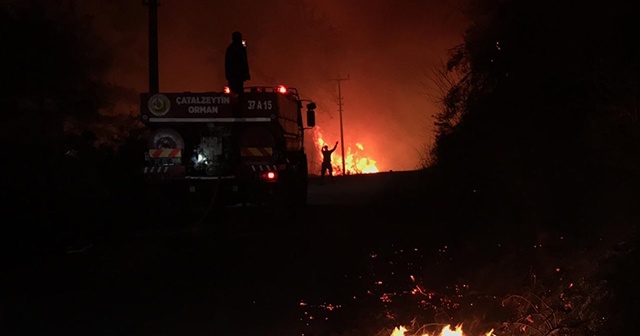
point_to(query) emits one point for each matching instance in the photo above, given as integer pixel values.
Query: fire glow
(356, 162)
(446, 331)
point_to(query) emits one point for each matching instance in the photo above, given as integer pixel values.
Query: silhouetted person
(236, 65)
(326, 160)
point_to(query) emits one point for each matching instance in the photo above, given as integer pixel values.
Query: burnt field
(370, 252)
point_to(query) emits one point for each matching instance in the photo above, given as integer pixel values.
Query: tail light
(270, 176)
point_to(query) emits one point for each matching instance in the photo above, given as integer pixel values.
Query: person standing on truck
(236, 65)
(326, 161)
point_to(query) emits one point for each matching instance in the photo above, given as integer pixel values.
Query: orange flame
(355, 160)
(446, 331)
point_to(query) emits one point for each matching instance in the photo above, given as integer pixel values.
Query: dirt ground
(365, 255)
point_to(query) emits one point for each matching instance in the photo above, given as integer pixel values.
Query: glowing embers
(446, 331)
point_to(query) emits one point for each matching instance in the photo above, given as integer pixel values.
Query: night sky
(388, 51)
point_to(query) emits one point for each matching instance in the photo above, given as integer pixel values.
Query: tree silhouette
(545, 104)
(540, 134)
(53, 70)
(54, 67)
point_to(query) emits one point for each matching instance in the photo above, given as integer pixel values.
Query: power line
(339, 80)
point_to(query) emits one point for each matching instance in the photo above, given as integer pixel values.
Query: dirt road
(336, 267)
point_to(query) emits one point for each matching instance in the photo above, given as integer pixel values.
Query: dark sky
(387, 48)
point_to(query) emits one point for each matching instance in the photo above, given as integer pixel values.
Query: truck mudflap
(172, 171)
(267, 168)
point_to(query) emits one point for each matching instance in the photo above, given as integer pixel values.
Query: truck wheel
(165, 138)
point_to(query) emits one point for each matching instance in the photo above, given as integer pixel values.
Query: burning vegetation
(447, 330)
(555, 288)
(356, 159)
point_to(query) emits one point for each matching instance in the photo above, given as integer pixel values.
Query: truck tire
(165, 138)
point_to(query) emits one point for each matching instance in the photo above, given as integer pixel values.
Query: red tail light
(270, 176)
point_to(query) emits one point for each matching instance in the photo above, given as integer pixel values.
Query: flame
(446, 331)
(355, 160)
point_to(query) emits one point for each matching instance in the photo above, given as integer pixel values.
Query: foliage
(543, 120)
(540, 136)
(57, 62)
(54, 80)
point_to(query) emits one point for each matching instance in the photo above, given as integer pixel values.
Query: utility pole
(339, 80)
(154, 86)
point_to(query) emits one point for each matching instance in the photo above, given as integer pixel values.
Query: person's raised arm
(334, 146)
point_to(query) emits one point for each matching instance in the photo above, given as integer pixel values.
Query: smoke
(386, 49)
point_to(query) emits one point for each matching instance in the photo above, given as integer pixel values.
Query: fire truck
(228, 148)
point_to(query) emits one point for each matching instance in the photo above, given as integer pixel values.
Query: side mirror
(311, 117)
(311, 114)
